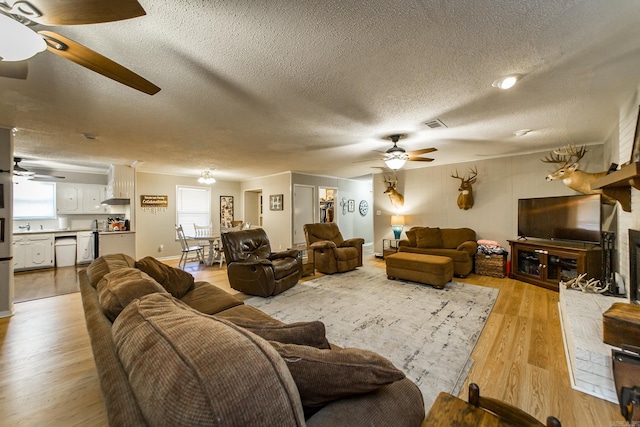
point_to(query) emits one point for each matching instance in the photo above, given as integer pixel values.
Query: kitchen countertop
(50, 230)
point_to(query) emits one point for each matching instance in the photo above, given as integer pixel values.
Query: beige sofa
(459, 244)
(172, 351)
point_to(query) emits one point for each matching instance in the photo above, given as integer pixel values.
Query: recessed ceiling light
(506, 82)
(522, 132)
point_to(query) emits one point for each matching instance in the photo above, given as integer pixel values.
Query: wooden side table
(308, 260)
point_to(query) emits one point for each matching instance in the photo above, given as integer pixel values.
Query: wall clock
(363, 207)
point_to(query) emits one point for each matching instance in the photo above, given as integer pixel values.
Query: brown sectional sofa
(459, 244)
(181, 352)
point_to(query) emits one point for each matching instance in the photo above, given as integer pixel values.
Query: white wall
(430, 195)
(6, 247)
(621, 149)
(155, 230)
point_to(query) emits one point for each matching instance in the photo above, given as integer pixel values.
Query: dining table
(215, 255)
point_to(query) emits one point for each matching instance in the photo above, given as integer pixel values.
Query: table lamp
(397, 224)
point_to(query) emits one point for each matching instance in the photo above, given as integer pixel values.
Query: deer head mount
(580, 181)
(465, 198)
(397, 199)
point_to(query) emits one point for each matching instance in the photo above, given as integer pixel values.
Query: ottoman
(428, 269)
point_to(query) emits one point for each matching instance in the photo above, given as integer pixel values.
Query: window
(34, 200)
(193, 206)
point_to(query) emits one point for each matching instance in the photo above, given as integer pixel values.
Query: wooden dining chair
(203, 231)
(188, 249)
(506, 412)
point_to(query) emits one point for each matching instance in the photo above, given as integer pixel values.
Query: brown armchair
(332, 253)
(253, 269)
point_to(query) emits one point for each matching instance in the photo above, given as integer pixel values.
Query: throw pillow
(118, 288)
(326, 375)
(189, 369)
(107, 263)
(312, 334)
(429, 238)
(411, 235)
(177, 282)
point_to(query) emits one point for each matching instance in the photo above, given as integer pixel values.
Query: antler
(566, 156)
(457, 176)
(473, 174)
(391, 181)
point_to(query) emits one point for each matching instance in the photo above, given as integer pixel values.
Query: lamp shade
(395, 162)
(397, 219)
(17, 41)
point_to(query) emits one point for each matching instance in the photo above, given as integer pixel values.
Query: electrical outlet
(160, 248)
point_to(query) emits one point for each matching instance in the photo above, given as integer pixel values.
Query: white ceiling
(255, 87)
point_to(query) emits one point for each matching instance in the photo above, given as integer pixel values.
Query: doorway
(327, 197)
(253, 207)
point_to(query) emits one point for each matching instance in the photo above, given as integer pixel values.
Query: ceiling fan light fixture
(506, 82)
(17, 41)
(206, 178)
(395, 162)
(522, 132)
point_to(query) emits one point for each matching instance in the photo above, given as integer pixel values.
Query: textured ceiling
(254, 87)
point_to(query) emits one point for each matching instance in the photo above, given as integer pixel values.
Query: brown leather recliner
(253, 269)
(332, 253)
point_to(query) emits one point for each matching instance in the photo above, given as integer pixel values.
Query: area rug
(428, 333)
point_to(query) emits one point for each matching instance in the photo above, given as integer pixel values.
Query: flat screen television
(572, 218)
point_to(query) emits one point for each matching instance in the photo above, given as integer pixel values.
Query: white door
(85, 248)
(302, 211)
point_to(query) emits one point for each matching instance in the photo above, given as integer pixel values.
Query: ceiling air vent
(435, 124)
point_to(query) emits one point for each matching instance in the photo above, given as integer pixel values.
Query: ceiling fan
(395, 157)
(19, 42)
(31, 175)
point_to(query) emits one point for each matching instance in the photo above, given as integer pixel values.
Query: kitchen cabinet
(545, 263)
(80, 198)
(84, 243)
(33, 251)
(115, 242)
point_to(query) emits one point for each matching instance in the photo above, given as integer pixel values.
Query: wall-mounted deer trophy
(397, 200)
(569, 173)
(465, 198)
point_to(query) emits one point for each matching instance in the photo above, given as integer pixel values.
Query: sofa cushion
(429, 238)
(188, 368)
(118, 288)
(326, 375)
(312, 334)
(453, 237)
(177, 282)
(209, 299)
(411, 235)
(107, 263)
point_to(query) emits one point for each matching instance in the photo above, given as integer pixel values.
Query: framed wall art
(226, 211)
(275, 202)
(352, 205)
(1, 196)
(1, 229)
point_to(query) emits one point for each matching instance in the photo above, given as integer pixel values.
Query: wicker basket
(491, 265)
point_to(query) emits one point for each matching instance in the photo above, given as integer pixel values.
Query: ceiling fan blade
(92, 60)
(75, 12)
(14, 70)
(422, 151)
(419, 159)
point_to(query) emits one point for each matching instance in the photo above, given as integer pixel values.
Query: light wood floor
(48, 377)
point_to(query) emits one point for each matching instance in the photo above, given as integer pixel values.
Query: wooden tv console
(545, 262)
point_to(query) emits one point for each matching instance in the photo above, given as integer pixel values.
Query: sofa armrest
(469, 246)
(404, 242)
(356, 242)
(323, 244)
(291, 253)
